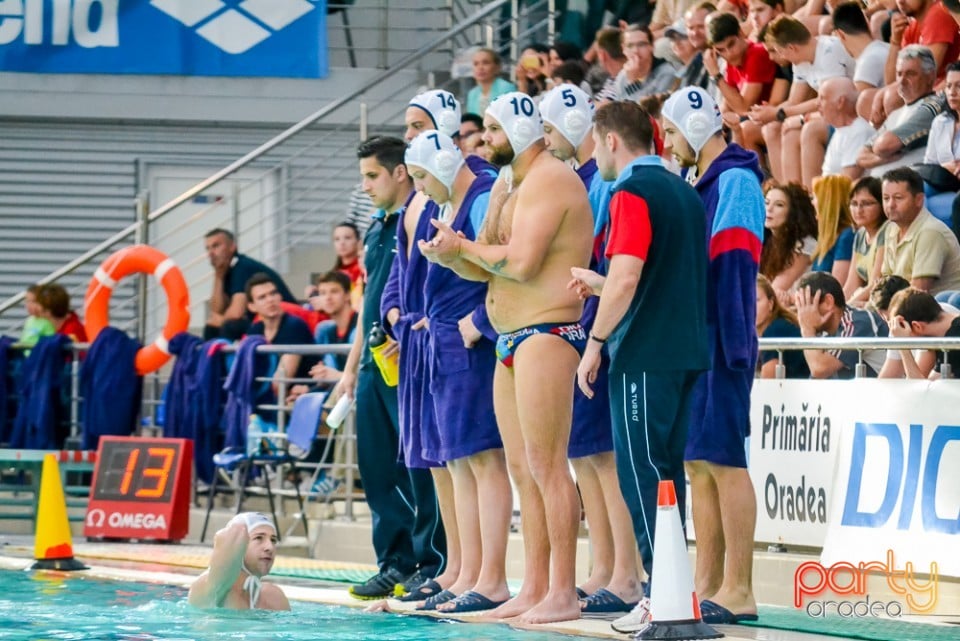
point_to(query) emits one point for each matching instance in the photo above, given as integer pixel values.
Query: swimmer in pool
(243, 553)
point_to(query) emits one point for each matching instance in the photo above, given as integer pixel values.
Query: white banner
(794, 430)
(897, 485)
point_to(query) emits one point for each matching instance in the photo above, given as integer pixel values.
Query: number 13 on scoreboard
(141, 489)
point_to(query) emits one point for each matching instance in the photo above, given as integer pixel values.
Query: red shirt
(630, 230)
(937, 27)
(755, 68)
(73, 328)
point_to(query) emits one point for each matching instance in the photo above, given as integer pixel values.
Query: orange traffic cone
(674, 608)
(52, 545)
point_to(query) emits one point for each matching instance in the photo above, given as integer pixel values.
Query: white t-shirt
(831, 60)
(845, 145)
(870, 64)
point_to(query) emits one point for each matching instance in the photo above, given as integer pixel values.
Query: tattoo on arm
(497, 267)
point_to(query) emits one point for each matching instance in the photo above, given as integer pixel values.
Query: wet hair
(219, 230)
(884, 289)
(629, 121)
(824, 283)
(338, 277)
(388, 151)
(786, 30)
(779, 311)
(721, 26)
(833, 211)
(905, 175)
(780, 249)
(54, 298)
(915, 305)
(849, 18)
(570, 71)
(260, 278)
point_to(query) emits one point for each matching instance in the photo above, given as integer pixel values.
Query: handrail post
(551, 21)
(235, 209)
(349, 434)
(364, 121)
(514, 29)
(142, 237)
(74, 395)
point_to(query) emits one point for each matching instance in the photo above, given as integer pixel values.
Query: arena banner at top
(281, 38)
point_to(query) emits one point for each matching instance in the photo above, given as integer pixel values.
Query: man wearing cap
(460, 366)
(724, 506)
(538, 225)
(613, 583)
(243, 553)
(651, 315)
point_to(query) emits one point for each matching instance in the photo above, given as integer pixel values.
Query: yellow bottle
(389, 366)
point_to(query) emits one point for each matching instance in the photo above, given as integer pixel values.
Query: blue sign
(286, 38)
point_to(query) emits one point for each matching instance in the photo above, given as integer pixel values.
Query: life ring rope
(139, 259)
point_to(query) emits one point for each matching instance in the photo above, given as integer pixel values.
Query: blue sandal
(603, 601)
(440, 597)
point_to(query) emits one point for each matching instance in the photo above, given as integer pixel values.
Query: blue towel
(241, 391)
(37, 424)
(110, 387)
(181, 412)
(5, 380)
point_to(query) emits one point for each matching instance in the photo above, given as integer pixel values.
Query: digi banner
(897, 486)
(283, 38)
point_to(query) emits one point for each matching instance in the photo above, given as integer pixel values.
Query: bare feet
(556, 607)
(517, 606)
(738, 603)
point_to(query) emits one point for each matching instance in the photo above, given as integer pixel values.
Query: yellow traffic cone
(674, 608)
(52, 544)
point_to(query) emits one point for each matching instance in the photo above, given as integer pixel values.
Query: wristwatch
(717, 77)
(781, 115)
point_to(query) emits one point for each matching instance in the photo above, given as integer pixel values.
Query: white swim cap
(695, 114)
(443, 109)
(568, 109)
(520, 119)
(252, 520)
(435, 153)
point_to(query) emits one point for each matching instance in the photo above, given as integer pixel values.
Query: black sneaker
(380, 586)
(411, 584)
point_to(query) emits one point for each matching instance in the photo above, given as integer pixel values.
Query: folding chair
(299, 437)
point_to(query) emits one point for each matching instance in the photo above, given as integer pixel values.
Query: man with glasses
(643, 74)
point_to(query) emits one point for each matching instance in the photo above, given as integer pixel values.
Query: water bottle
(339, 411)
(255, 433)
(389, 365)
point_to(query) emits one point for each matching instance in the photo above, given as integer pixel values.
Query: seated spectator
(36, 326)
(915, 313)
(561, 52)
(814, 60)
(834, 249)
(759, 15)
(610, 61)
(229, 317)
(943, 150)
(333, 299)
(748, 79)
(790, 237)
(751, 129)
(838, 106)
(822, 311)
(902, 138)
(866, 210)
(54, 304)
(568, 72)
(530, 71)
(927, 23)
(279, 328)
(642, 74)
(850, 26)
(917, 246)
(776, 321)
(490, 86)
(689, 59)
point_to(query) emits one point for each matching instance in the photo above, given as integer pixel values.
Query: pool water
(48, 606)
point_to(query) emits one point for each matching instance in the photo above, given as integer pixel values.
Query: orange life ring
(139, 259)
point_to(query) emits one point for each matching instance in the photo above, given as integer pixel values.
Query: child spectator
(36, 326)
(55, 303)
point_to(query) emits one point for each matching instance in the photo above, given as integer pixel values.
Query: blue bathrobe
(110, 387)
(461, 379)
(5, 382)
(37, 424)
